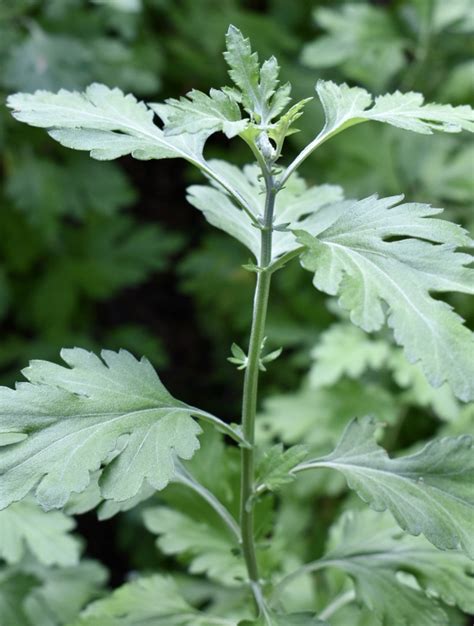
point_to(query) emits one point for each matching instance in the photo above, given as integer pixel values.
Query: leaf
(34, 595)
(376, 354)
(274, 468)
(14, 586)
(63, 592)
(371, 51)
(23, 525)
(294, 202)
(105, 122)
(155, 600)
(280, 619)
(385, 563)
(346, 106)
(261, 96)
(319, 416)
(198, 112)
(428, 492)
(209, 548)
(351, 257)
(113, 412)
(345, 351)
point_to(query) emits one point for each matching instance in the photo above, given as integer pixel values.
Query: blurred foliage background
(110, 255)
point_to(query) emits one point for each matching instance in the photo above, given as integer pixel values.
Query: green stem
(250, 391)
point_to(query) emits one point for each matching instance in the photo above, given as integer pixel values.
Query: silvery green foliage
(348, 251)
(385, 563)
(24, 527)
(112, 412)
(107, 428)
(428, 492)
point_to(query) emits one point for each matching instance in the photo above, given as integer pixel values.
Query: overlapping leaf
(200, 112)
(428, 492)
(371, 549)
(155, 600)
(210, 548)
(23, 525)
(34, 595)
(293, 203)
(332, 364)
(349, 252)
(70, 421)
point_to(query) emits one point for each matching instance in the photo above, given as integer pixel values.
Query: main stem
(250, 391)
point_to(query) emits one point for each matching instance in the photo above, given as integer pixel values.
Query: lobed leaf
(105, 122)
(112, 414)
(385, 563)
(155, 600)
(275, 467)
(428, 492)
(260, 94)
(209, 548)
(349, 251)
(199, 112)
(24, 526)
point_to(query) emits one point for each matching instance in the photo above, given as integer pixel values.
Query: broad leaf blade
(429, 492)
(105, 122)
(347, 248)
(112, 412)
(371, 549)
(210, 549)
(155, 600)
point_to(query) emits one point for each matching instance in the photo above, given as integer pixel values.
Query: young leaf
(428, 492)
(261, 96)
(274, 469)
(199, 112)
(331, 355)
(155, 600)
(209, 548)
(105, 122)
(24, 525)
(113, 412)
(351, 257)
(371, 549)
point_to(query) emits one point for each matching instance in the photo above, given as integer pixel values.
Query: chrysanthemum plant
(104, 431)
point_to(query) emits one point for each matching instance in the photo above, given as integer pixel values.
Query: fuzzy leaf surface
(23, 525)
(274, 468)
(209, 548)
(103, 121)
(350, 254)
(261, 96)
(198, 112)
(428, 492)
(346, 106)
(293, 203)
(155, 600)
(111, 411)
(372, 550)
